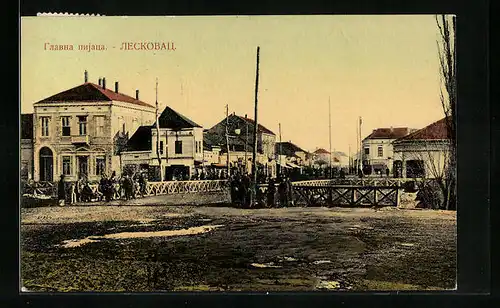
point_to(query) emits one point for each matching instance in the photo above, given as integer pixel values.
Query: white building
(424, 153)
(80, 132)
(378, 154)
(181, 147)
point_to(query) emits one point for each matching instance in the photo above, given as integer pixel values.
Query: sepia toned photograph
(237, 153)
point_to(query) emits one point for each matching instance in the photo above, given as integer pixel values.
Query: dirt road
(197, 248)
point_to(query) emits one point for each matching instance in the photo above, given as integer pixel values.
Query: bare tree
(448, 95)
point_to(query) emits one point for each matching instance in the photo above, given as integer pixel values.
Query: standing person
(102, 187)
(142, 184)
(72, 190)
(271, 191)
(387, 172)
(246, 191)
(289, 190)
(234, 189)
(61, 191)
(126, 187)
(282, 192)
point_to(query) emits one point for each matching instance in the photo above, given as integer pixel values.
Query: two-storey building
(80, 132)
(240, 131)
(377, 149)
(180, 143)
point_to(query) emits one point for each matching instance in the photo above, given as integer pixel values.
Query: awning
(292, 165)
(219, 165)
(284, 166)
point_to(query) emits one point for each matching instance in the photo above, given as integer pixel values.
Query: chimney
(100, 81)
(104, 82)
(116, 86)
(86, 76)
(137, 94)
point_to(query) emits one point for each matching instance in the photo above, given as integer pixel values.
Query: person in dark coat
(387, 171)
(246, 182)
(234, 189)
(61, 191)
(271, 191)
(289, 192)
(282, 192)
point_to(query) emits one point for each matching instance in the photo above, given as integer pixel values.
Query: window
(45, 126)
(100, 165)
(66, 165)
(380, 151)
(161, 147)
(99, 125)
(178, 147)
(66, 126)
(82, 125)
(367, 151)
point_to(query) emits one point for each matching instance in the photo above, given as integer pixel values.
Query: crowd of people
(241, 189)
(129, 186)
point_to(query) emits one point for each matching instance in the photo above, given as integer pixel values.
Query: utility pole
(330, 134)
(254, 156)
(158, 149)
(246, 144)
(281, 150)
(360, 146)
(227, 140)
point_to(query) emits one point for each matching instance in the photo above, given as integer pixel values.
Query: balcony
(80, 139)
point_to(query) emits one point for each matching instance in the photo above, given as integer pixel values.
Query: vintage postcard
(238, 153)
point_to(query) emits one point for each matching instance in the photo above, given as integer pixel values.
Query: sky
(382, 68)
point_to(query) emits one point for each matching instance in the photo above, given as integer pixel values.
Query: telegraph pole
(246, 144)
(330, 134)
(254, 156)
(158, 150)
(227, 140)
(281, 150)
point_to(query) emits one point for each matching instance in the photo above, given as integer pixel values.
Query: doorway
(83, 166)
(46, 165)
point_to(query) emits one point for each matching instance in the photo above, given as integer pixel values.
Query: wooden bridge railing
(182, 187)
(347, 195)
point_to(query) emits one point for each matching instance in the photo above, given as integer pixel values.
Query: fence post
(375, 195)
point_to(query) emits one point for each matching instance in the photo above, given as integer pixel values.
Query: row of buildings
(406, 152)
(91, 129)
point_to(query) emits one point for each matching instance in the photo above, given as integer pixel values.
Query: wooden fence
(183, 187)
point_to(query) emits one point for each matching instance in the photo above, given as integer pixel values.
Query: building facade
(377, 150)
(240, 132)
(80, 132)
(180, 142)
(26, 155)
(424, 153)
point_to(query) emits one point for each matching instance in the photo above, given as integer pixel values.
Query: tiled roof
(288, 148)
(435, 131)
(389, 133)
(261, 128)
(27, 126)
(170, 118)
(90, 92)
(321, 151)
(140, 140)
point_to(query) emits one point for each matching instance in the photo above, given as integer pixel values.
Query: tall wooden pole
(330, 134)
(158, 149)
(227, 141)
(246, 144)
(360, 146)
(281, 150)
(255, 129)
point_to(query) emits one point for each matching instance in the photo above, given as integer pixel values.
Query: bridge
(338, 192)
